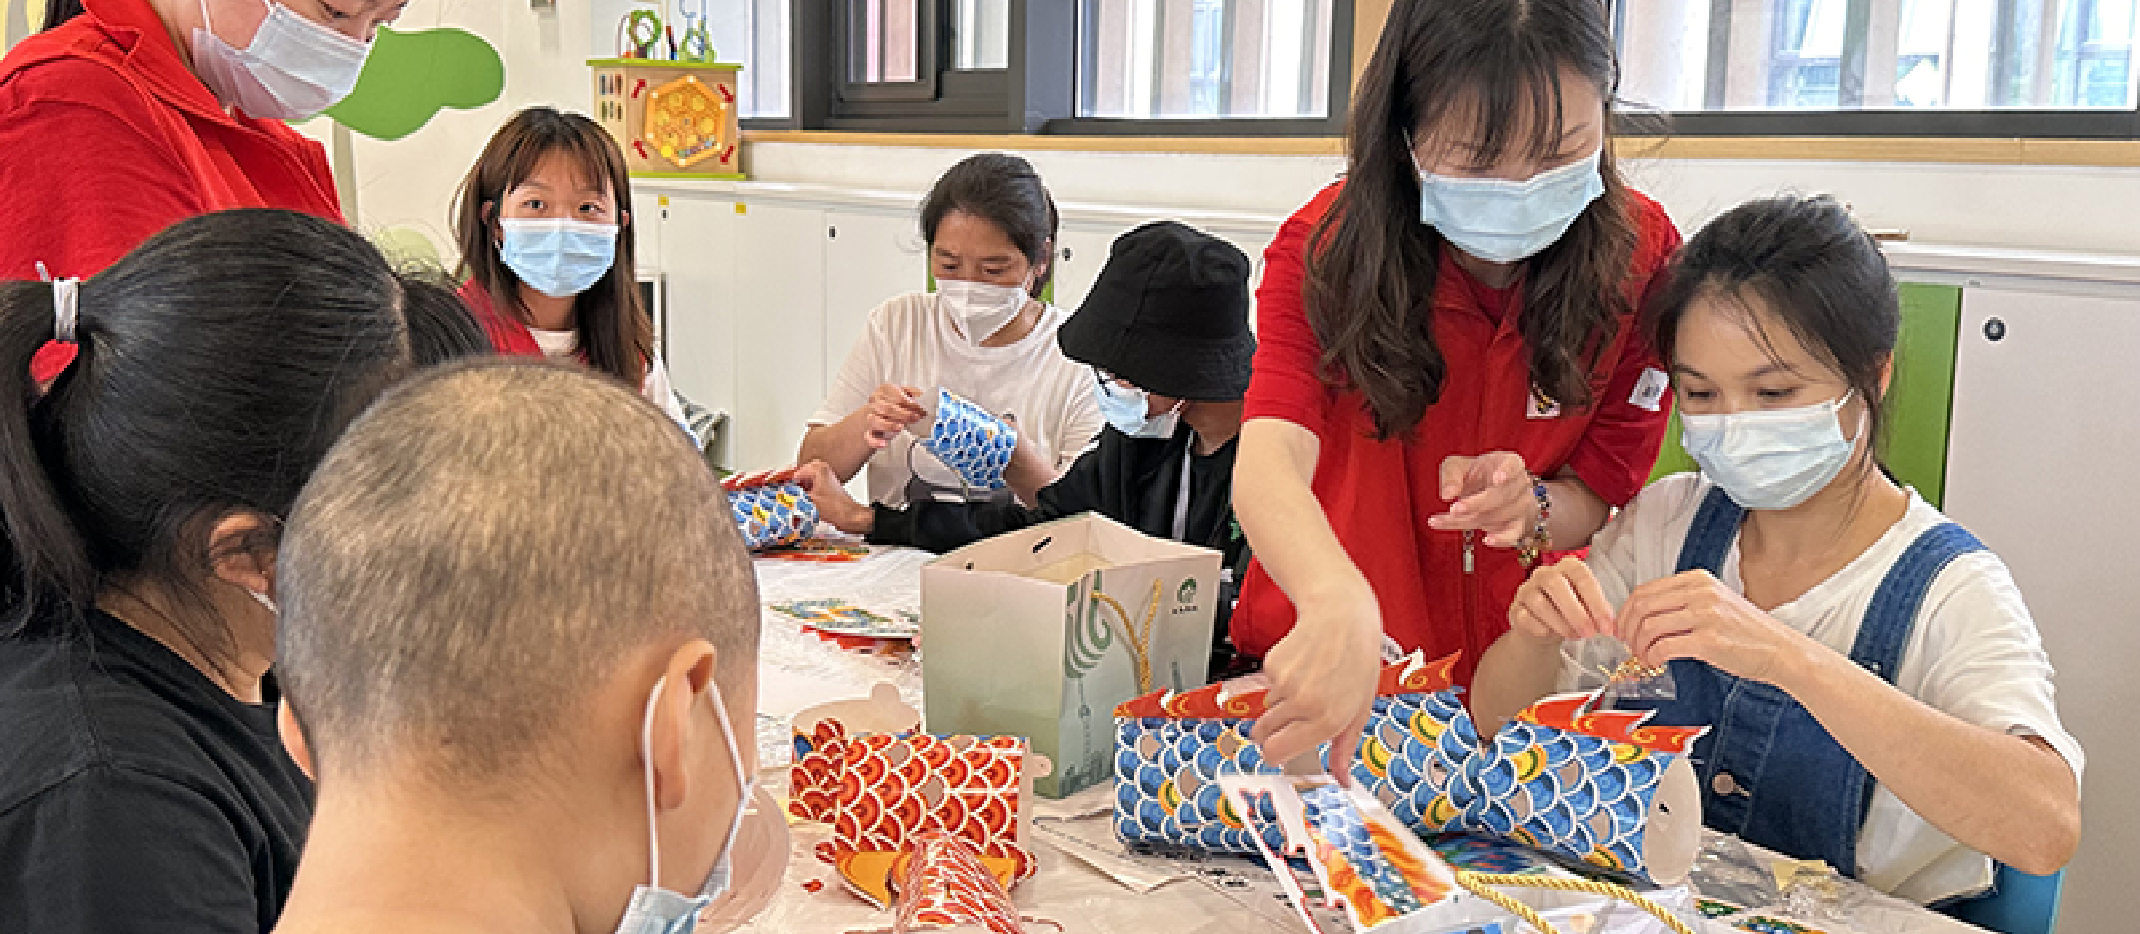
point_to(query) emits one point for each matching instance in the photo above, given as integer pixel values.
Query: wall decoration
(411, 76)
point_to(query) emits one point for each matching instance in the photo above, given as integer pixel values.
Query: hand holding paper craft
(1693, 615)
(890, 410)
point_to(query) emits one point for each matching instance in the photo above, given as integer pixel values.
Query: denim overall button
(1724, 784)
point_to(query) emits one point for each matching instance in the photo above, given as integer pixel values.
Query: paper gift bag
(770, 508)
(1041, 632)
(975, 444)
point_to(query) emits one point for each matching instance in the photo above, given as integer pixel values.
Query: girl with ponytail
(143, 784)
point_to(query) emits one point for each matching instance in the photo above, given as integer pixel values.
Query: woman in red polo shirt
(125, 116)
(1449, 378)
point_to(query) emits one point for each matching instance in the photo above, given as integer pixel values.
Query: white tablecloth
(1217, 896)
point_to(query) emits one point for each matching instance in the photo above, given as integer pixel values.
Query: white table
(1225, 896)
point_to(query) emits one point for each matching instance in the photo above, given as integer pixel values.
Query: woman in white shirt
(984, 335)
(1876, 692)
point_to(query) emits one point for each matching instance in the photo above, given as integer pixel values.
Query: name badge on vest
(1541, 406)
(1650, 389)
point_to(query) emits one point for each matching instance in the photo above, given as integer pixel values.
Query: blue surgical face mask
(1502, 221)
(1773, 459)
(656, 910)
(292, 70)
(1125, 407)
(555, 256)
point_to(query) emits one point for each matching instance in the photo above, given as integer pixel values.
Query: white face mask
(1125, 406)
(656, 910)
(1773, 459)
(980, 309)
(1503, 221)
(293, 70)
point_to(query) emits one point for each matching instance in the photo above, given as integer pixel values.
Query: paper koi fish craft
(1600, 787)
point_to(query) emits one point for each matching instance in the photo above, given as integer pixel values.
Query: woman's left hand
(1693, 615)
(1490, 493)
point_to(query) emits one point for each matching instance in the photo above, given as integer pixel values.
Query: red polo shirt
(106, 138)
(1379, 494)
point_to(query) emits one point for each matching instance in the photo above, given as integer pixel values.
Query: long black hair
(1003, 190)
(616, 331)
(60, 11)
(1371, 265)
(1808, 265)
(217, 362)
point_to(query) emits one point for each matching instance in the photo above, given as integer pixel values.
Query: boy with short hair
(518, 644)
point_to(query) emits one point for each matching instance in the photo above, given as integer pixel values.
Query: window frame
(1999, 123)
(1036, 94)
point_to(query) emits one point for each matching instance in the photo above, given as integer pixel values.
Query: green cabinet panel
(1919, 401)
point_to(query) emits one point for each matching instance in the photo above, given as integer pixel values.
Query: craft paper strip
(1387, 881)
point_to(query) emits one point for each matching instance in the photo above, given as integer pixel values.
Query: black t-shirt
(135, 795)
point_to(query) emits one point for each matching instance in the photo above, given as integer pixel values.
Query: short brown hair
(484, 548)
(616, 333)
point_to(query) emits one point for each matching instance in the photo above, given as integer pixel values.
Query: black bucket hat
(1169, 313)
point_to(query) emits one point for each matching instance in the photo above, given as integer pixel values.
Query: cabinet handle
(1066, 254)
(832, 232)
(1994, 330)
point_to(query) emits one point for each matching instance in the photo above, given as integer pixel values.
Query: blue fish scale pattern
(973, 443)
(1338, 823)
(1416, 745)
(1571, 793)
(770, 516)
(1167, 785)
(1578, 795)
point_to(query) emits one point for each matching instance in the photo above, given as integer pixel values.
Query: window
(1075, 66)
(1902, 64)
(981, 32)
(1172, 59)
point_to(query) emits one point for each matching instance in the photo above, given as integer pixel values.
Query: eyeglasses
(1110, 383)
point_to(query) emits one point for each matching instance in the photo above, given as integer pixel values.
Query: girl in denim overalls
(1877, 693)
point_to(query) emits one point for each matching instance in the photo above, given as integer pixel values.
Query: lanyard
(1181, 496)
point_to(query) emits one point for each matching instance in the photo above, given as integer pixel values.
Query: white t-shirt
(1973, 655)
(911, 342)
(655, 388)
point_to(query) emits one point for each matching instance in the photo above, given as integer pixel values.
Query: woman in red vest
(544, 226)
(1449, 378)
(125, 116)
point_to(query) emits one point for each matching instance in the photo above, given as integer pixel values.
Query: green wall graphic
(411, 76)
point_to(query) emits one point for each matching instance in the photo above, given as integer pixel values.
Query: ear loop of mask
(646, 746)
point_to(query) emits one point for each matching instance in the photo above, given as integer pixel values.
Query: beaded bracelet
(1539, 538)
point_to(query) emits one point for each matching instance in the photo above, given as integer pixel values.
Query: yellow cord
(1479, 883)
(1140, 642)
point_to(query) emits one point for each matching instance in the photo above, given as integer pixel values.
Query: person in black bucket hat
(1165, 330)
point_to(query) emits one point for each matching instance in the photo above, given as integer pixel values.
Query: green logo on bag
(1187, 593)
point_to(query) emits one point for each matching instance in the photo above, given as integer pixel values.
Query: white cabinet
(1080, 251)
(2039, 466)
(870, 256)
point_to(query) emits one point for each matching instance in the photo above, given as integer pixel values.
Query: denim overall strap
(1769, 771)
(1709, 539)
